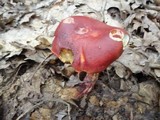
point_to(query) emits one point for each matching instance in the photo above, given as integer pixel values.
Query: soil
(35, 84)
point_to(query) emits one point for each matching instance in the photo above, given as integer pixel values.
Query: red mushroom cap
(88, 44)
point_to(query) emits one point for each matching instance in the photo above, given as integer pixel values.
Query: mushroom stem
(87, 85)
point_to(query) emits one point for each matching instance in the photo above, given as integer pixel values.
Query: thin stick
(40, 66)
(103, 10)
(42, 102)
(29, 110)
(152, 7)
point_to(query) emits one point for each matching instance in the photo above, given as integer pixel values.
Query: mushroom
(89, 46)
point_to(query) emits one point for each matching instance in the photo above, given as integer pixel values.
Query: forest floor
(35, 85)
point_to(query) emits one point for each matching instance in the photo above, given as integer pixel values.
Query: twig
(152, 7)
(42, 102)
(103, 10)
(10, 82)
(29, 110)
(14, 77)
(39, 66)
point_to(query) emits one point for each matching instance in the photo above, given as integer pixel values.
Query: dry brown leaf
(60, 12)
(37, 56)
(40, 4)
(157, 2)
(125, 5)
(33, 40)
(120, 70)
(137, 3)
(26, 18)
(31, 86)
(85, 10)
(73, 80)
(132, 60)
(68, 71)
(60, 115)
(149, 92)
(157, 72)
(149, 38)
(94, 100)
(4, 64)
(83, 102)
(113, 3)
(147, 23)
(45, 42)
(156, 44)
(136, 24)
(41, 114)
(68, 93)
(15, 40)
(110, 21)
(129, 19)
(96, 5)
(8, 50)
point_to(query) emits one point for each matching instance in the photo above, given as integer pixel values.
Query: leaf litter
(35, 85)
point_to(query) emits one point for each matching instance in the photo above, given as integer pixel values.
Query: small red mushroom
(89, 46)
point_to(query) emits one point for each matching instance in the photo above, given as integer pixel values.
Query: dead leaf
(73, 80)
(26, 18)
(129, 19)
(41, 114)
(157, 2)
(23, 36)
(31, 89)
(85, 10)
(60, 12)
(120, 70)
(112, 22)
(68, 93)
(148, 95)
(23, 45)
(7, 50)
(157, 72)
(132, 60)
(113, 3)
(149, 38)
(125, 5)
(60, 115)
(37, 56)
(96, 5)
(156, 44)
(83, 102)
(45, 42)
(68, 71)
(4, 64)
(147, 23)
(94, 100)
(40, 4)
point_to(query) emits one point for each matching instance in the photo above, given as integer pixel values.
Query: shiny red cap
(88, 44)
